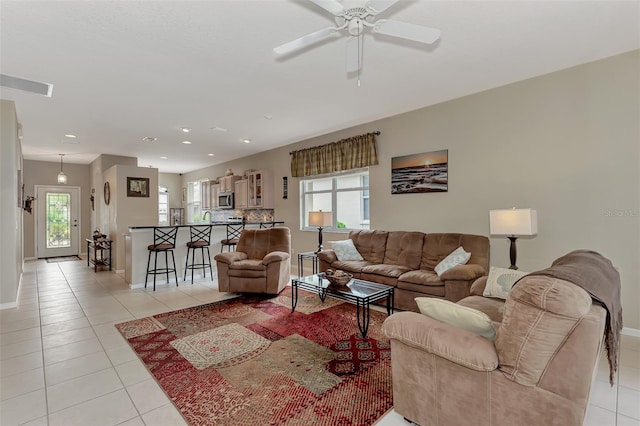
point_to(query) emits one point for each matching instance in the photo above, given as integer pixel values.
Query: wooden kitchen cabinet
(214, 190)
(260, 190)
(227, 183)
(205, 195)
(241, 193)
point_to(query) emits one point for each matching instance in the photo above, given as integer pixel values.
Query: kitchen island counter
(215, 223)
(140, 237)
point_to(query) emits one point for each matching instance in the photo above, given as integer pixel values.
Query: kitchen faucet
(205, 215)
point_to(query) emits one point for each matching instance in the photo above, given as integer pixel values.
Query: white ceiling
(126, 70)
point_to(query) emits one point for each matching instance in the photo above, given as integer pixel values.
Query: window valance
(350, 153)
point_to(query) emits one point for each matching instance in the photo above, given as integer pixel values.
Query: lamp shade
(320, 218)
(513, 222)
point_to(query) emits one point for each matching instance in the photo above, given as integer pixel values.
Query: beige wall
(46, 173)
(173, 183)
(99, 218)
(566, 144)
(11, 167)
(123, 211)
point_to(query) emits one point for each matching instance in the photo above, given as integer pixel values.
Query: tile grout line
(104, 350)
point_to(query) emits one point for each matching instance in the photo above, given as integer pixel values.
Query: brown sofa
(538, 371)
(406, 260)
(260, 264)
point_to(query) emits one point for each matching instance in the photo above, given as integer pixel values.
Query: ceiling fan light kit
(355, 20)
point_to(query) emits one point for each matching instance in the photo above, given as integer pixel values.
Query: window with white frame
(345, 195)
(163, 206)
(194, 211)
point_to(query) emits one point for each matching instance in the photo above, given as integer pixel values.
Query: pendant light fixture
(62, 178)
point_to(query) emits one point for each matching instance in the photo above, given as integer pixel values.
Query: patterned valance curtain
(351, 153)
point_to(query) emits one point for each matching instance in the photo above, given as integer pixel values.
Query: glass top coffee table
(359, 292)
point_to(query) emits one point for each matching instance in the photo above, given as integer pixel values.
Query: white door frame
(75, 216)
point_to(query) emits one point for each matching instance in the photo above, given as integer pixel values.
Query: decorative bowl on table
(338, 278)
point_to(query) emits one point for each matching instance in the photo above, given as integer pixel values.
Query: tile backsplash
(249, 215)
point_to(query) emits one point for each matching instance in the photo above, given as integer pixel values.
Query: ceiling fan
(355, 20)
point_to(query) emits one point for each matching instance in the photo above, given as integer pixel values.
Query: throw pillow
(455, 258)
(500, 281)
(457, 315)
(346, 250)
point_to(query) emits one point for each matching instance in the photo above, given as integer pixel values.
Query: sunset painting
(426, 172)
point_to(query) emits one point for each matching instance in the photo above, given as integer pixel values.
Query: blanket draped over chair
(598, 277)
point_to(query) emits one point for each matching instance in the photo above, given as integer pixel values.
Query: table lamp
(320, 219)
(513, 223)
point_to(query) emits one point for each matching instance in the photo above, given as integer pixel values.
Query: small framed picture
(137, 187)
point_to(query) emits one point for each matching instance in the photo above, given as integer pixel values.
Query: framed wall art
(137, 187)
(417, 173)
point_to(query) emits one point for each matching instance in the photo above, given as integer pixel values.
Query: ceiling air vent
(44, 89)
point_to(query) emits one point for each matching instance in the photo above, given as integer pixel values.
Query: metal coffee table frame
(358, 292)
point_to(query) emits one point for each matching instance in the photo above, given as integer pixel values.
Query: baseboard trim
(8, 305)
(631, 331)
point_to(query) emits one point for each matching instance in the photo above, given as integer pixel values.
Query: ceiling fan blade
(407, 31)
(379, 6)
(354, 54)
(305, 41)
(330, 5)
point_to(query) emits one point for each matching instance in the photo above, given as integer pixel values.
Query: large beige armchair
(260, 264)
(538, 371)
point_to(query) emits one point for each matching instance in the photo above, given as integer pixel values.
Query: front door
(57, 217)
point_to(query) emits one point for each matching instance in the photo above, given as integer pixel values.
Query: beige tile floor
(62, 362)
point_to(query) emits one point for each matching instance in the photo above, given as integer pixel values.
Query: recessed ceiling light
(268, 116)
(210, 155)
(185, 129)
(70, 136)
(163, 158)
(219, 129)
(149, 139)
(246, 140)
(186, 142)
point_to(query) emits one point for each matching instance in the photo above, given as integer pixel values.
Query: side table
(309, 255)
(99, 253)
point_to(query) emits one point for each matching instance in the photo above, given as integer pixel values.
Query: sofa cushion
(539, 315)
(500, 281)
(350, 265)
(385, 270)
(421, 289)
(370, 244)
(455, 258)
(404, 248)
(457, 315)
(438, 246)
(249, 264)
(421, 277)
(256, 243)
(346, 250)
(494, 308)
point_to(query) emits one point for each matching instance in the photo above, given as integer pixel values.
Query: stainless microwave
(225, 200)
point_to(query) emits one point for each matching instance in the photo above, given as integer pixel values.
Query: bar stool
(233, 235)
(200, 239)
(267, 225)
(164, 240)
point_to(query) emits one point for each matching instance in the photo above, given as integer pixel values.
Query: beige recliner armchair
(260, 264)
(538, 371)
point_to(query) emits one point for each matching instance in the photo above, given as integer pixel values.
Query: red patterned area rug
(251, 361)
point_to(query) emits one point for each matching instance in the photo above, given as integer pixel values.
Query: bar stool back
(164, 240)
(233, 235)
(200, 239)
(267, 225)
